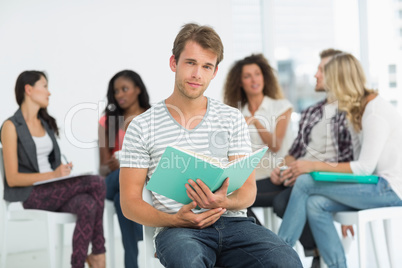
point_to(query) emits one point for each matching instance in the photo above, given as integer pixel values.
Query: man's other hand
(186, 218)
(200, 193)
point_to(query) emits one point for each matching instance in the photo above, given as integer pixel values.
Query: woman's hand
(285, 177)
(346, 228)
(299, 167)
(250, 120)
(113, 163)
(63, 170)
(275, 176)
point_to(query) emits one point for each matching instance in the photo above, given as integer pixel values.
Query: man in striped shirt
(220, 233)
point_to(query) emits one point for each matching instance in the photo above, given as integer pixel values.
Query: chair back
(2, 172)
(4, 203)
(2, 181)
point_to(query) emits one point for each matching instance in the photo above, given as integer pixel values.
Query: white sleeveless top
(44, 147)
(268, 114)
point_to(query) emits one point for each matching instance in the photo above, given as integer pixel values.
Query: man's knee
(186, 252)
(283, 256)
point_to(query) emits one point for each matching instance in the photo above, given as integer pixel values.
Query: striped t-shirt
(223, 132)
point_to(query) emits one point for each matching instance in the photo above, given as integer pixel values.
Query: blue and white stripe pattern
(221, 133)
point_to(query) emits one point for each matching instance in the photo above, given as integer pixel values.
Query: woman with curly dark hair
(252, 86)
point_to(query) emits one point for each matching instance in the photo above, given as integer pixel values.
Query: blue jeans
(229, 242)
(316, 201)
(131, 232)
(277, 196)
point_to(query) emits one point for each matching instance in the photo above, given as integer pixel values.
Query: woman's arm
(375, 131)
(14, 178)
(107, 162)
(300, 166)
(273, 140)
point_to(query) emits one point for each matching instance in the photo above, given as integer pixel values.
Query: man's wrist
(229, 203)
(173, 220)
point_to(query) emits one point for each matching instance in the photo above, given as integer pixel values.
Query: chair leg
(389, 240)
(51, 237)
(346, 243)
(60, 245)
(361, 232)
(4, 243)
(274, 222)
(379, 243)
(268, 219)
(110, 212)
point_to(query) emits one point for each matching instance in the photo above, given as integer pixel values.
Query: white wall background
(81, 45)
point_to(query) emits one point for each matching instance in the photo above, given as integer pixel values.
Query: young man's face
(319, 75)
(194, 70)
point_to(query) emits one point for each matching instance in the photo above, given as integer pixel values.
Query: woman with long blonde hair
(377, 128)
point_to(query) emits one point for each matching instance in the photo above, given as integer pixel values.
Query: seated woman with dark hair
(31, 154)
(127, 97)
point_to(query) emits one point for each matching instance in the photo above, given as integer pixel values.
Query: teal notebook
(343, 177)
(177, 166)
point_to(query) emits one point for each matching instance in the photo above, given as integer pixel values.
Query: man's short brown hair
(205, 36)
(330, 52)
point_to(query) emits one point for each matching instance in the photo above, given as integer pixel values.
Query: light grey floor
(38, 259)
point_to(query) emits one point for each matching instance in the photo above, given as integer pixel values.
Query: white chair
(53, 223)
(270, 219)
(379, 220)
(110, 211)
(150, 261)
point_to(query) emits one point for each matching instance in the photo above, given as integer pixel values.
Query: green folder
(343, 177)
(177, 166)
